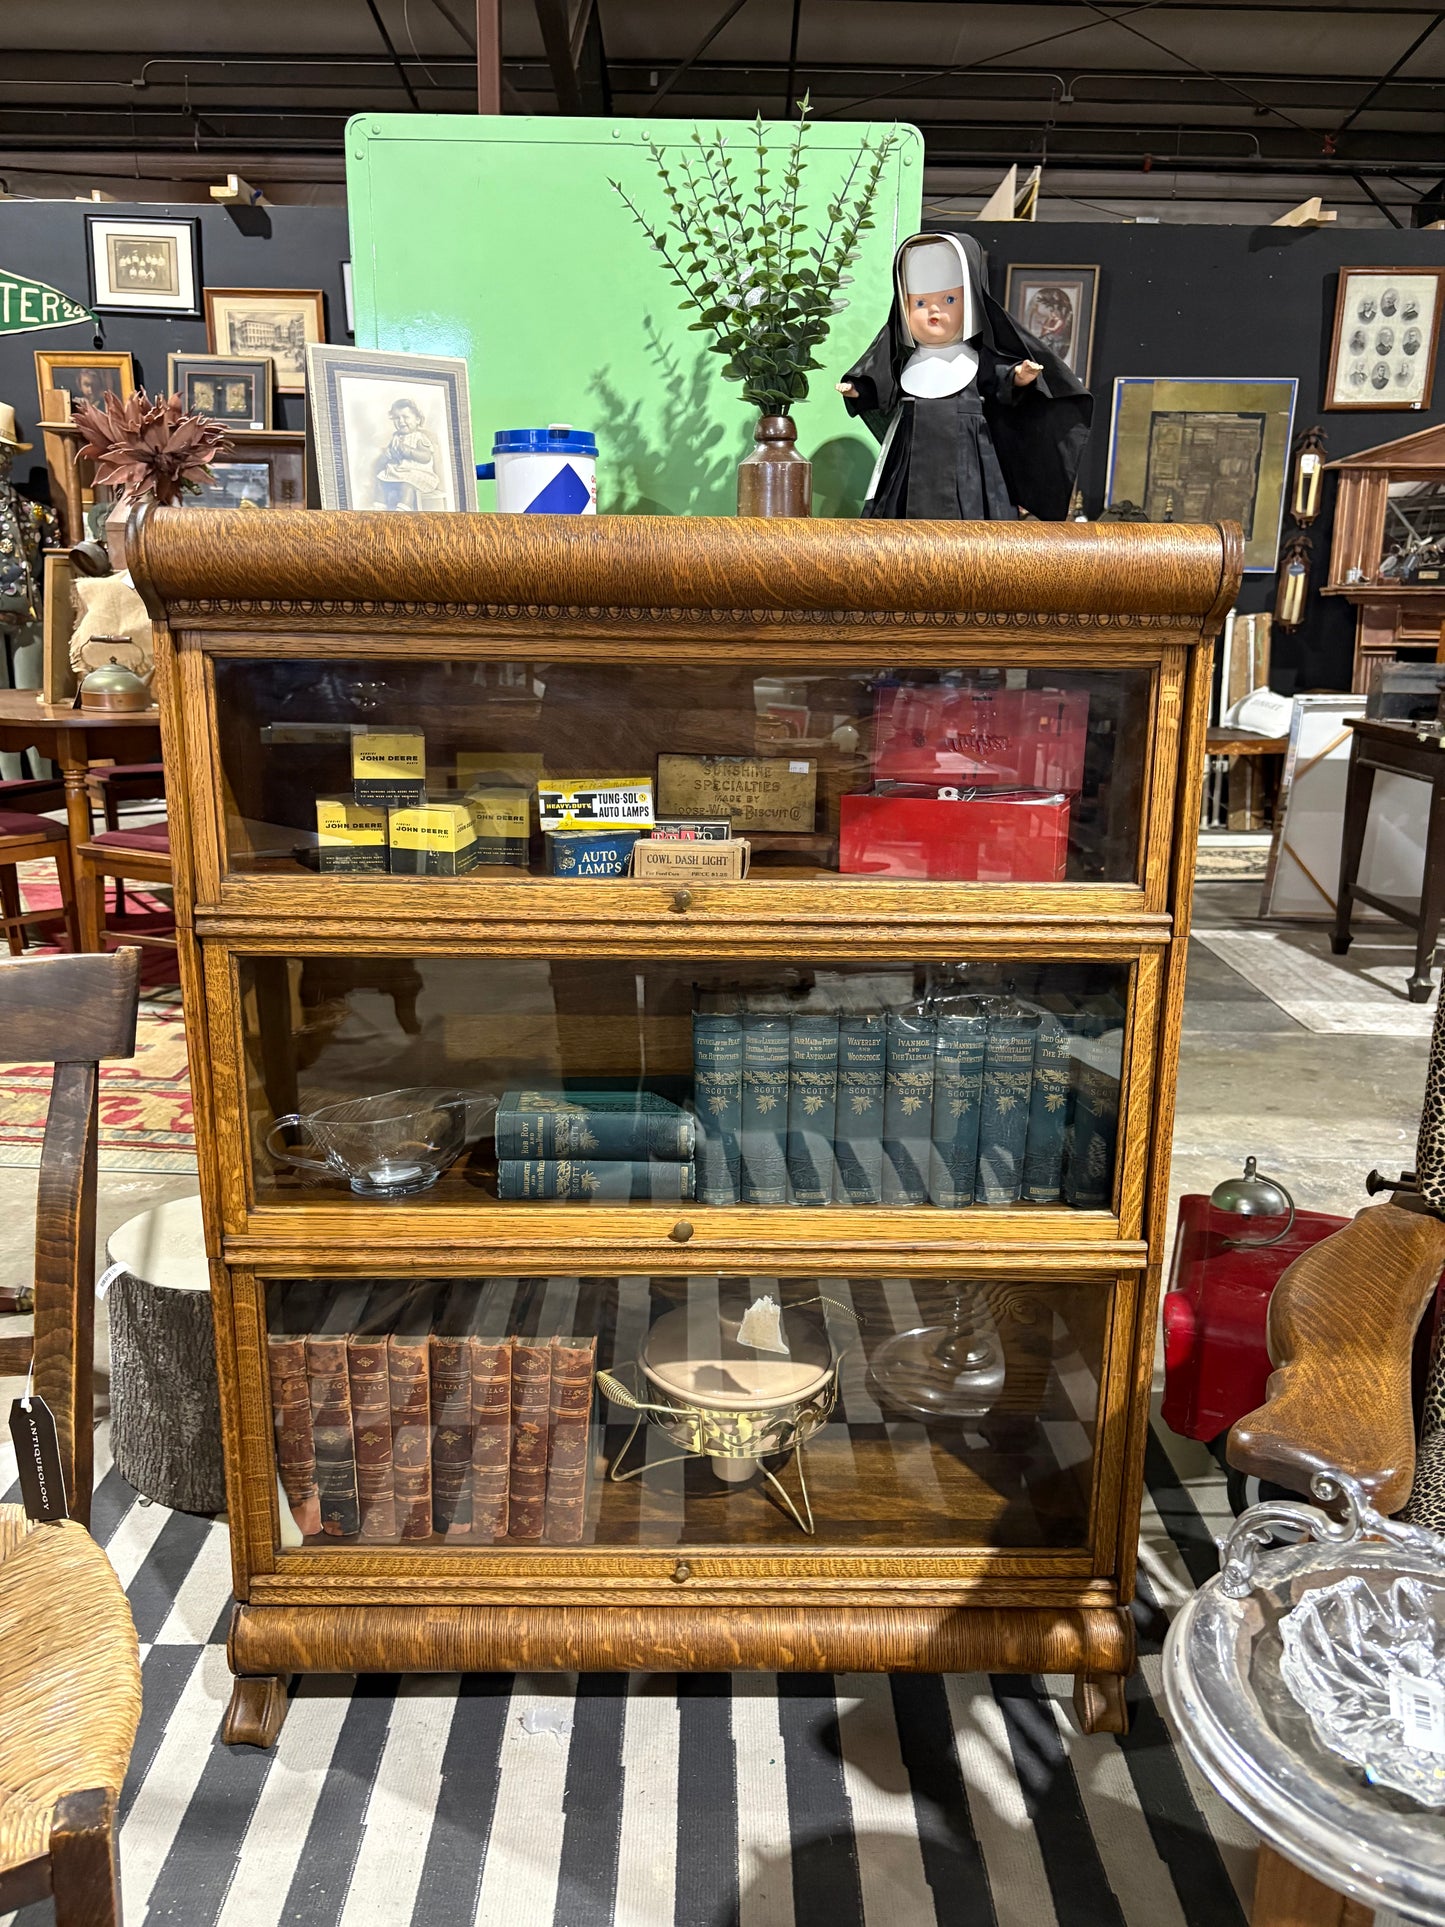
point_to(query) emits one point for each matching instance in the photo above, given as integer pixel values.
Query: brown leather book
(331, 1434)
(408, 1359)
(573, 1365)
(366, 1362)
(531, 1405)
(491, 1362)
(451, 1414)
(291, 1416)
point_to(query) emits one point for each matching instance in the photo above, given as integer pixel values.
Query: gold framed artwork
(88, 375)
(1204, 451)
(233, 389)
(1387, 328)
(144, 266)
(1057, 305)
(279, 322)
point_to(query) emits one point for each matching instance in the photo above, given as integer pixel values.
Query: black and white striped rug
(662, 1800)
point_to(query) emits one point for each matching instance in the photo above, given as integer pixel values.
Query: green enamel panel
(446, 212)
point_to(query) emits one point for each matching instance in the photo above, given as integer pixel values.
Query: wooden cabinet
(1387, 555)
(972, 1379)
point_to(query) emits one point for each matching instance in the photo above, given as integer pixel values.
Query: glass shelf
(505, 1082)
(975, 773)
(470, 1413)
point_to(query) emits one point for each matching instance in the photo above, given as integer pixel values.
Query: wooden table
(1246, 793)
(74, 739)
(1403, 749)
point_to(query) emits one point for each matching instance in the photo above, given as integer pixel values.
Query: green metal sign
(31, 304)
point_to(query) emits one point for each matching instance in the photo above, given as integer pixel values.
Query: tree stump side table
(1403, 749)
(165, 1423)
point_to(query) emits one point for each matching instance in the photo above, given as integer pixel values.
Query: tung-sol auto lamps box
(436, 838)
(350, 836)
(388, 768)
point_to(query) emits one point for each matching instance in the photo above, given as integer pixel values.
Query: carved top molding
(707, 572)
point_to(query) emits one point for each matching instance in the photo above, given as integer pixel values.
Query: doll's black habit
(986, 451)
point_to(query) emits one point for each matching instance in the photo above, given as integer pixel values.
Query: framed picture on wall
(279, 322)
(1057, 305)
(83, 376)
(229, 388)
(144, 266)
(1204, 451)
(390, 431)
(1387, 327)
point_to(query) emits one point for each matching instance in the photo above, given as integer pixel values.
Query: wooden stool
(165, 1410)
(1403, 749)
(142, 855)
(24, 838)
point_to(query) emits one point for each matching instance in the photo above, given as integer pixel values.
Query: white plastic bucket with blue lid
(543, 471)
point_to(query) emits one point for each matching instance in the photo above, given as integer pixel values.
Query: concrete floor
(1318, 1111)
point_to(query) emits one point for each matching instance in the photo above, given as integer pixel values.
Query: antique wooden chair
(24, 838)
(142, 855)
(70, 1686)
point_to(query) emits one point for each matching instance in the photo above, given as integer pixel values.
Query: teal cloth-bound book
(858, 1133)
(766, 1050)
(1003, 1122)
(1048, 1114)
(717, 1095)
(595, 1180)
(1094, 1124)
(908, 1107)
(593, 1124)
(957, 1094)
(812, 1107)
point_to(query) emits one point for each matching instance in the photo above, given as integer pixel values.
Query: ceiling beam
(557, 43)
(375, 13)
(735, 6)
(1389, 74)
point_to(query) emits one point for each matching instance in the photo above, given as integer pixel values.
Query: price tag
(37, 1456)
(796, 768)
(1419, 1706)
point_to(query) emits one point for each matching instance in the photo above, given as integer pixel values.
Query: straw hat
(8, 437)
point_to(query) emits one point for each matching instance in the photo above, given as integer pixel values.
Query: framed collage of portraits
(233, 389)
(1385, 335)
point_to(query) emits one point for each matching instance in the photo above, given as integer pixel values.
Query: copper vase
(775, 479)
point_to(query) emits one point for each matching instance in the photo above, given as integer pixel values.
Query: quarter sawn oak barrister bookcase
(974, 1456)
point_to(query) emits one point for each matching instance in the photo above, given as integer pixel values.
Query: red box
(950, 732)
(959, 836)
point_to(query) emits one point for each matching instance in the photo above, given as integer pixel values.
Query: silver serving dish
(1263, 1749)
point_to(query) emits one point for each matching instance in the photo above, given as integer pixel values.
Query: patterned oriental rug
(145, 1102)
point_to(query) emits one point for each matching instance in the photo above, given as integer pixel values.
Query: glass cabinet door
(528, 769)
(516, 1081)
(733, 1412)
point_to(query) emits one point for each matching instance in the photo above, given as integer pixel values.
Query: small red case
(958, 836)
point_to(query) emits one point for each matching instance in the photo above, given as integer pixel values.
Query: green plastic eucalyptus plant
(763, 285)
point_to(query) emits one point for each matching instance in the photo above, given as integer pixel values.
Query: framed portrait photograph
(1387, 327)
(1204, 451)
(83, 376)
(1057, 305)
(144, 266)
(229, 388)
(279, 322)
(390, 431)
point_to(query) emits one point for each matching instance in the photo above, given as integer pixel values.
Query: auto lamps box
(956, 732)
(944, 834)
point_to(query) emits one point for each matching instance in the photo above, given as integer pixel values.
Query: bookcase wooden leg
(258, 1706)
(1099, 1702)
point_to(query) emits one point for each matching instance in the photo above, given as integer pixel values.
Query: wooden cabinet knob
(682, 900)
(681, 1573)
(680, 1232)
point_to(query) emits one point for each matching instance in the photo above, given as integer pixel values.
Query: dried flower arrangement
(149, 447)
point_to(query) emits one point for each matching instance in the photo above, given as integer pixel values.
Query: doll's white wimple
(976, 417)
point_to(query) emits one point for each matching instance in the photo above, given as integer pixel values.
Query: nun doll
(976, 417)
